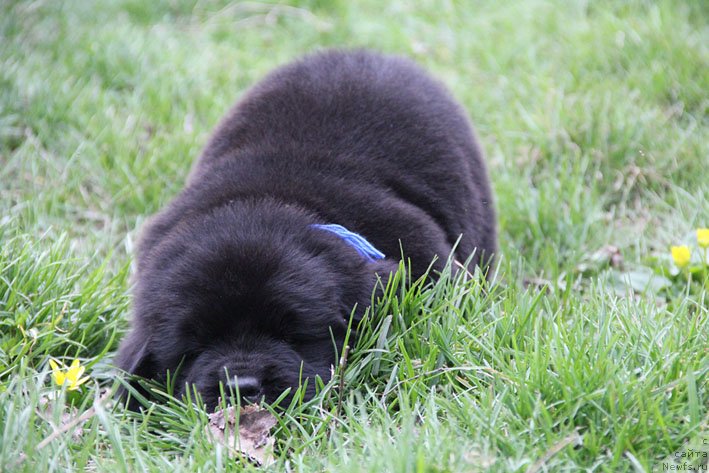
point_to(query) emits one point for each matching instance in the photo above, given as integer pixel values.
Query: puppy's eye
(286, 324)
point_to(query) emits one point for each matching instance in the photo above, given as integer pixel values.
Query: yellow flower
(703, 237)
(70, 376)
(681, 255)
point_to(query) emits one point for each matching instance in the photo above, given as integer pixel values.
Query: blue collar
(355, 240)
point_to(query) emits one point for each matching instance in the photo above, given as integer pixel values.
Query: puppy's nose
(249, 387)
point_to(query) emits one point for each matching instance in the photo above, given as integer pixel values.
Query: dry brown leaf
(253, 440)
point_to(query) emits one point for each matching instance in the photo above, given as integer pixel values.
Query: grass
(594, 120)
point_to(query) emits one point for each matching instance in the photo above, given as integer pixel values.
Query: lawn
(589, 350)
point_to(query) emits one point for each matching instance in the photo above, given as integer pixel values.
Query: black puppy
(322, 169)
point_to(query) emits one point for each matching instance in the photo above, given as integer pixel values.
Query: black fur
(231, 275)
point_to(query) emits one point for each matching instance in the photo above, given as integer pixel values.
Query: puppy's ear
(135, 358)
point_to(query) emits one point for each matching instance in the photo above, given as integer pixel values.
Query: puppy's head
(249, 297)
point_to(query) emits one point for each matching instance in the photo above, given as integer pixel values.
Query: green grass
(594, 118)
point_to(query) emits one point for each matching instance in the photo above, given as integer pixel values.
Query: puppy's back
(365, 140)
